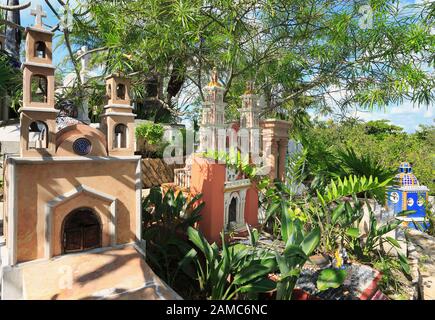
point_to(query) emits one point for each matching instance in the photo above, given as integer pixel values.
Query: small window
(38, 135)
(40, 49)
(120, 136)
(82, 146)
(120, 92)
(39, 88)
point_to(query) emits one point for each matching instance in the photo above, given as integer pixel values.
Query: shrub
(152, 136)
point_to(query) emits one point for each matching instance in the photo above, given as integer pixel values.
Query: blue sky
(405, 115)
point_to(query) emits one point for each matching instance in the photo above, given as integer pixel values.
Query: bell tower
(249, 119)
(38, 115)
(118, 118)
(213, 130)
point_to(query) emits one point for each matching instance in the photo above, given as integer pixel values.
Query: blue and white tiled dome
(405, 177)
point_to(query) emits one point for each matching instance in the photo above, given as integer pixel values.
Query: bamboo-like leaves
(351, 185)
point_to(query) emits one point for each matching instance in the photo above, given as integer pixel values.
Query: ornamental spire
(249, 87)
(214, 79)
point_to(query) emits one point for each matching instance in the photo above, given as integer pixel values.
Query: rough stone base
(421, 254)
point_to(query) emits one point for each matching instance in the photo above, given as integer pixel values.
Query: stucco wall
(39, 183)
(66, 137)
(100, 207)
(208, 178)
(251, 206)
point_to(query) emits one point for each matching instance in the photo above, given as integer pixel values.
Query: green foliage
(10, 80)
(339, 219)
(371, 248)
(330, 278)
(430, 218)
(382, 128)
(234, 160)
(362, 165)
(231, 270)
(354, 185)
(299, 245)
(165, 222)
(299, 241)
(392, 281)
(171, 209)
(343, 148)
(171, 46)
(151, 134)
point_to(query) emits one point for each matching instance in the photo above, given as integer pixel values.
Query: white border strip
(11, 241)
(139, 200)
(71, 159)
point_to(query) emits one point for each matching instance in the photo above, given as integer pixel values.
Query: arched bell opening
(120, 92)
(39, 88)
(40, 50)
(38, 135)
(120, 136)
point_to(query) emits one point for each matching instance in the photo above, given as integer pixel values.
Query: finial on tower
(39, 14)
(214, 78)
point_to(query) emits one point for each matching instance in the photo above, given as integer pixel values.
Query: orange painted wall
(251, 206)
(208, 178)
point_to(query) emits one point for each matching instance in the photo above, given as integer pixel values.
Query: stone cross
(39, 14)
(84, 59)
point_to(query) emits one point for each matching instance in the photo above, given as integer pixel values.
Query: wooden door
(82, 231)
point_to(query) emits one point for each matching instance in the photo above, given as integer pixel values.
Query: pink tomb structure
(231, 199)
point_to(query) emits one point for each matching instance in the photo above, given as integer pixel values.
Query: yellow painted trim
(404, 200)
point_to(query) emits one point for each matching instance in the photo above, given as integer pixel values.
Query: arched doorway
(81, 231)
(232, 213)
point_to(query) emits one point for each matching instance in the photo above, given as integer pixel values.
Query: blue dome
(405, 167)
(405, 177)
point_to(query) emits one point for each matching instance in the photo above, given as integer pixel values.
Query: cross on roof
(84, 57)
(39, 14)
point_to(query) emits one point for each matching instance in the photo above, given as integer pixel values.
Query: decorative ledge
(237, 184)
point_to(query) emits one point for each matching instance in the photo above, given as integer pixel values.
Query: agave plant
(171, 209)
(235, 269)
(165, 221)
(299, 245)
